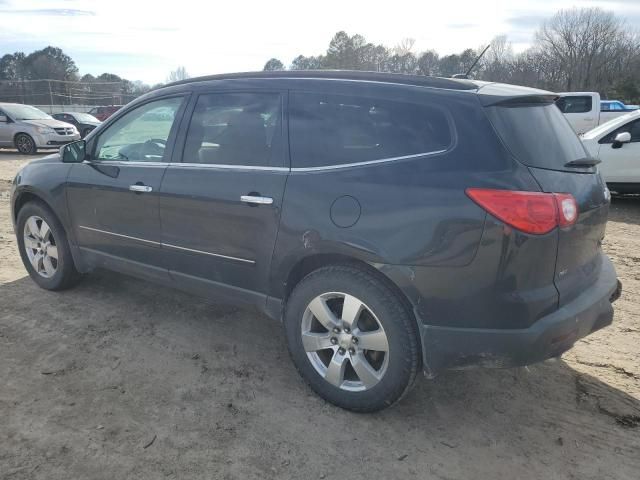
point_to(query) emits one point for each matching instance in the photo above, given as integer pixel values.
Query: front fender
(44, 180)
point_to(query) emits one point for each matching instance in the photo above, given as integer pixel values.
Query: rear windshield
(537, 135)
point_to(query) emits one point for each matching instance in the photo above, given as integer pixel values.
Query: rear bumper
(549, 337)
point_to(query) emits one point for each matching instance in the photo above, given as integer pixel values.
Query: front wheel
(25, 144)
(44, 248)
(352, 338)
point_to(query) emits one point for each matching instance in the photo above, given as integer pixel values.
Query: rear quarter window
(537, 135)
(331, 130)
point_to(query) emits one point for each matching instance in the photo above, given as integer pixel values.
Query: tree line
(587, 49)
(51, 77)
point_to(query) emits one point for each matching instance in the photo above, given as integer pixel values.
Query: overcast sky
(146, 40)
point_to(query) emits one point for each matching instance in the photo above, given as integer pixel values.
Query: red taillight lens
(529, 212)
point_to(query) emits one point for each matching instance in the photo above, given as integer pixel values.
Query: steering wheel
(154, 146)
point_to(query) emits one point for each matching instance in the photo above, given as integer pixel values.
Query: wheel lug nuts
(347, 330)
(354, 339)
(352, 350)
(334, 340)
(341, 351)
(336, 330)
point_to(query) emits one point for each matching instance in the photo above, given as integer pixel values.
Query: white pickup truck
(584, 110)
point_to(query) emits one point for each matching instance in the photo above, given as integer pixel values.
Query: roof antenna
(466, 75)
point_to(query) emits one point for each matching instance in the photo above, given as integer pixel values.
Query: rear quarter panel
(413, 214)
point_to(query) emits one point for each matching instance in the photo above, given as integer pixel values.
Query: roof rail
(418, 80)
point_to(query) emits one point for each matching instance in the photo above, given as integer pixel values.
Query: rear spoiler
(530, 100)
(513, 95)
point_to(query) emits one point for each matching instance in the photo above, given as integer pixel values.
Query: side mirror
(74, 152)
(621, 139)
(4, 119)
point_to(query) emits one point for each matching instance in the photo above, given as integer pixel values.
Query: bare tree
(583, 47)
(178, 74)
(405, 47)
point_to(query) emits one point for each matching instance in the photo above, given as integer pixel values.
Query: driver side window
(140, 135)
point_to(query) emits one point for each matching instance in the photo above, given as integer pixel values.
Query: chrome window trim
(125, 162)
(367, 162)
(218, 255)
(227, 167)
(263, 168)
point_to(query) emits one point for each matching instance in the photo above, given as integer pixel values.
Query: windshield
(85, 117)
(537, 135)
(25, 112)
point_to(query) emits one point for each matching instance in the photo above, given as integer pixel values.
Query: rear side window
(581, 104)
(537, 135)
(330, 130)
(242, 129)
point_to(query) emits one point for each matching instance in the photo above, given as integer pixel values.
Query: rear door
(538, 136)
(220, 206)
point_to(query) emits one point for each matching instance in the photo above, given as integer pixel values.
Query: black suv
(394, 223)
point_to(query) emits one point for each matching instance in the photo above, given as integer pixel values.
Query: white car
(617, 144)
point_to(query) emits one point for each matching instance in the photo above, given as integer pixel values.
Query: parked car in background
(393, 223)
(617, 144)
(616, 106)
(27, 128)
(583, 110)
(84, 122)
(102, 113)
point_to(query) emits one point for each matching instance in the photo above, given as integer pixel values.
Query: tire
(330, 360)
(25, 144)
(37, 246)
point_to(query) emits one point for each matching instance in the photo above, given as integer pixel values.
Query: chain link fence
(58, 95)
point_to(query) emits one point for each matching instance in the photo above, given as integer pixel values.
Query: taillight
(567, 209)
(530, 212)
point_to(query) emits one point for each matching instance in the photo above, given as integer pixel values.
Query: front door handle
(140, 188)
(257, 200)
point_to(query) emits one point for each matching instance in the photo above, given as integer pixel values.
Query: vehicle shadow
(625, 208)
(116, 362)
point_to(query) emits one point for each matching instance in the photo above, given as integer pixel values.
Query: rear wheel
(25, 144)
(44, 248)
(352, 339)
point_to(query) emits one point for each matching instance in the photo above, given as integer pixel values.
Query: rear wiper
(583, 162)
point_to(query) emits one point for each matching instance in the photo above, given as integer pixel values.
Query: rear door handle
(140, 188)
(254, 199)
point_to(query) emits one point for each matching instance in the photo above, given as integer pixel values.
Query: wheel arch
(311, 263)
(15, 136)
(26, 196)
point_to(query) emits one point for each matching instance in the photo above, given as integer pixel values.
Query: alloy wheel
(40, 247)
(345, 341)
(24, 144)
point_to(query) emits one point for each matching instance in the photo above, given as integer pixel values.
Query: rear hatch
(537, 135)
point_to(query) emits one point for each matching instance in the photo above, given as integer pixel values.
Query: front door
(113, 196)
(220, 207)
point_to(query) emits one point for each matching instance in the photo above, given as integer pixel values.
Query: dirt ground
(120, 378)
